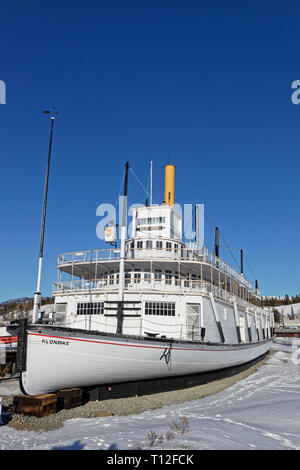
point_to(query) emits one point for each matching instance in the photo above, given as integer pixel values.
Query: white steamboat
(153, 308)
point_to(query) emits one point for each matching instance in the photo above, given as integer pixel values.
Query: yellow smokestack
(170, 184)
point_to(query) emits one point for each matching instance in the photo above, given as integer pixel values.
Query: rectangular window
(157, 275)
(168, 277)
(169, 246)
(139, 245)
(187, 280)
(149, 244)
(160, 308)
(127, 277)
(159, 245)
(90, 308)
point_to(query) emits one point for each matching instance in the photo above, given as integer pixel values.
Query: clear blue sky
(207, 82)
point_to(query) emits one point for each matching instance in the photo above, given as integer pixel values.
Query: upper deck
(89, 264)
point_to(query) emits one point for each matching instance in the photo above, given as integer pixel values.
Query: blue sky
(205, 85)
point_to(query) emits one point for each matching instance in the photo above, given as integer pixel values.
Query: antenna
(53, 112)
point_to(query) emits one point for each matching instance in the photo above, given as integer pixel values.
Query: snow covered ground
(259, 412)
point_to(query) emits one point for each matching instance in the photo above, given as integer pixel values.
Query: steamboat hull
(58, 358)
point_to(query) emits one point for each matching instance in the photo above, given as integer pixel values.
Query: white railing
(180, 285)
(90, 256)
(182, 254)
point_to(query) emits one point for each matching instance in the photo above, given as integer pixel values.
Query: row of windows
(149, 244)
(158, 273)
(90, 308)
(151, 220)
(151, 308)
(160, 308)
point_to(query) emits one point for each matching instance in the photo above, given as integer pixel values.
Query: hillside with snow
(287, 310)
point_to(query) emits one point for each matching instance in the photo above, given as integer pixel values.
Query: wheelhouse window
(159, 245)
(151, 220)
(149, 244)
(139, 245)
(90, 308)
(160, 308)
(169, 246)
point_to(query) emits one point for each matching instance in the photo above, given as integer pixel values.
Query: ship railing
(90, 256)
(180, 254)
(160, 285)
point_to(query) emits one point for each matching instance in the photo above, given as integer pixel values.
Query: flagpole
(37, 294)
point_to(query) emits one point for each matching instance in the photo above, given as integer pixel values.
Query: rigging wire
(220, 233)
(118, 197)
(143, 187)
(246, 259)
(250, 268)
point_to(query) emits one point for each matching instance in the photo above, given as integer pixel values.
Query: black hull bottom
(165, 384)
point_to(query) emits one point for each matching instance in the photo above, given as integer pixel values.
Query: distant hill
(21, 304)
(20, 300)
(289, 310)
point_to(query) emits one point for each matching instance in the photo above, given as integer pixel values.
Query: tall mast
(37, 294)
(242, 262)
(217, 242)
(122, 255)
